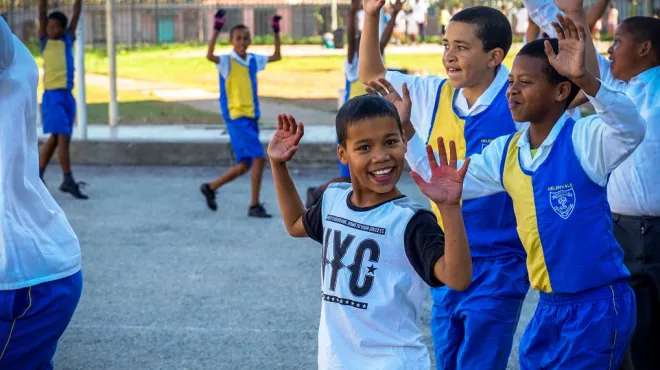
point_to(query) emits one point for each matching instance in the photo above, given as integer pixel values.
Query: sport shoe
(313, 196)
(73, 188)
(258, 211)
(210, 196)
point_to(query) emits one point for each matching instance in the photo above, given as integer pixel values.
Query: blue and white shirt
(633, 185)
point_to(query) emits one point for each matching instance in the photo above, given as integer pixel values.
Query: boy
(353, 85)
(472, 329)
(634, 69)
(58, 106)
(239, 103)
(379, 247)
(556, 172)
(40, 274)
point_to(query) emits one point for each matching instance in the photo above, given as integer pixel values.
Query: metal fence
(141, 22)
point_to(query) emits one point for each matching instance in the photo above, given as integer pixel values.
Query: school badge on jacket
(563, 200)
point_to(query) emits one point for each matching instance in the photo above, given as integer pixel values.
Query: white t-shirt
(375, 262)
(400, 22)
(224, 64)
(419, 11)
(37, 244)
(413, 27)
(360, 19)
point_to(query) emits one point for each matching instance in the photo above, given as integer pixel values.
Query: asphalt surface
(170, 284)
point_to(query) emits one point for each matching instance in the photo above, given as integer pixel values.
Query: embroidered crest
(563, 202)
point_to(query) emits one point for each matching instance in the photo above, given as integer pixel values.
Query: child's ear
(644, 49)
(563, 91)
(496, 57)
(341, 154)
(403, 139)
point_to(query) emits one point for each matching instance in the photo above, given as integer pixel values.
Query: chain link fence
(140, 22)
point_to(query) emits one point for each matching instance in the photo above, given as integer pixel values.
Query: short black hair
(364, 107)
(536, 49)
(644, 29)
(491, 26)
(237, 27)
(60, 17)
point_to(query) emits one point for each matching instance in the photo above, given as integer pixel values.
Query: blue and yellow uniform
(472, 329)
(239, 103)
(58, 107)
(586, 311)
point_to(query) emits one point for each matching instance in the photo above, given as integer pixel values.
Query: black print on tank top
(367, 251)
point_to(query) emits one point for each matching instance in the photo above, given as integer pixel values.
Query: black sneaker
(73, 188)
(313, 196)
(258, 211)
(210, 196)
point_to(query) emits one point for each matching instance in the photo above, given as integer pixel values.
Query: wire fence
(140, 22)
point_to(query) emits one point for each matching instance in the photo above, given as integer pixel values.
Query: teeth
(382, 172)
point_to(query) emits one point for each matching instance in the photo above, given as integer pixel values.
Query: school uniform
(474, 328)
(635, 202)
(375, 266)
(40, 269)
(586, 311)
(239, 103)
(58, 106)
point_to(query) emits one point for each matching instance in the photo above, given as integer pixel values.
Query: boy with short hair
(475, 328)
(354, 87)
(379, 247)
(40, 272)
(556, 172)
(239, 104)
(58, 106)
(634, 69)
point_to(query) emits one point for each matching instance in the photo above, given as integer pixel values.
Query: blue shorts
(33, 319)
(244, 135)
(343, 169)
(587, 330)
(474, 329)
(58, 112)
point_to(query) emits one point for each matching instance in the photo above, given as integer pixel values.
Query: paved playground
(172, 285)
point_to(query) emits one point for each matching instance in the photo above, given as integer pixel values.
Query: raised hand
(372, 6)
(570, 59)
(275, 23)
(397, 6)
(446, 184)
(284, 143)
(219, 19)
(570, 6)
(385, 89)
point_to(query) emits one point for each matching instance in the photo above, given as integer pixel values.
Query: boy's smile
(374, 151)
(240, 40)
(622, 54)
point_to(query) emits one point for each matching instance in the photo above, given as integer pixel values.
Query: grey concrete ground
(172, 285)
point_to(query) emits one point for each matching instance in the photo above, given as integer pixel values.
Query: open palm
(446, 184)
(284, 143)
(385, 89)
(569, 61)
(372, 6)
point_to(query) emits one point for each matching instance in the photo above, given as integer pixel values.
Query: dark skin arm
(389, 27)
(73, 24)
(351, 30)
(211, 48)
(43, 17)
(277, 54)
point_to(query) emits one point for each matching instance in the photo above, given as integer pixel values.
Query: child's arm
(600, 144)
(77, 8)
(43, 18)
(280, 150)
(371, 65)
(351, 31)
(6, 45)
(389, 27)
(210, 55)
(454, 267)
(275, 24)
